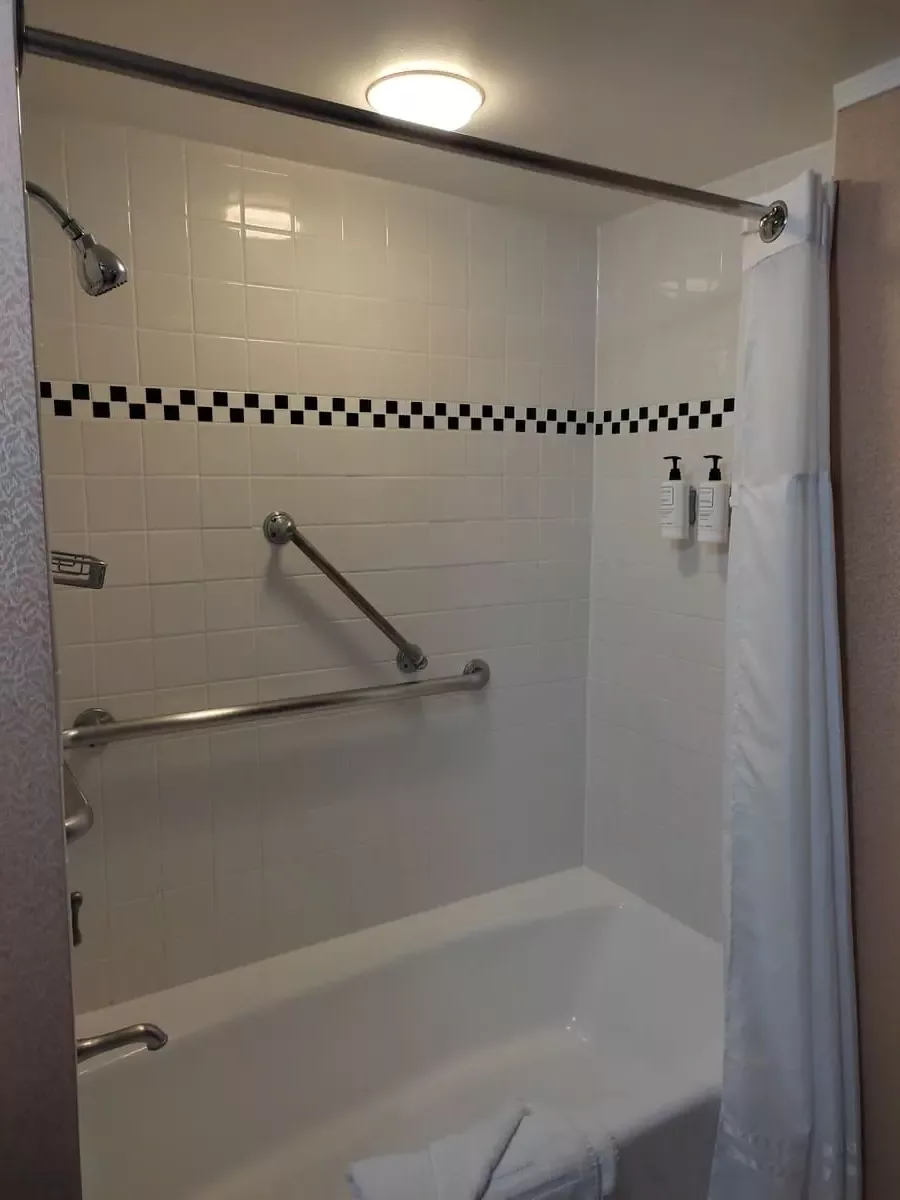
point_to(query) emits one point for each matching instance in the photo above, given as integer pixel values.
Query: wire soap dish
(77, 570)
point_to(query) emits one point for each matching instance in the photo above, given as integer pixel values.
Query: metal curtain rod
(48, 44)
(96, 727)
(281, 528)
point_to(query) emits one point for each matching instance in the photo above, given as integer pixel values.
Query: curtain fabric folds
(789, 1122)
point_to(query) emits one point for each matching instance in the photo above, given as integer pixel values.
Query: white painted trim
(883, 78)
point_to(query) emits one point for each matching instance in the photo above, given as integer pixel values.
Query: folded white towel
(519, 1154)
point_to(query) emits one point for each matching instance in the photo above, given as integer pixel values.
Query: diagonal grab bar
(280, 527)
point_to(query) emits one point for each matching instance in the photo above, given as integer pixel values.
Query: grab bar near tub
(280, 528)
(96, 727)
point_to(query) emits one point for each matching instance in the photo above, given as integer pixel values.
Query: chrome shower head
(98, 268)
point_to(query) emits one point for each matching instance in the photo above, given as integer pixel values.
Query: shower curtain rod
(48, 44)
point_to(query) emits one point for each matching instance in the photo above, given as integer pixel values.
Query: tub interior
(608, 1011)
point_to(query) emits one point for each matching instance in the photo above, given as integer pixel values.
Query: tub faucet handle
(76, 899)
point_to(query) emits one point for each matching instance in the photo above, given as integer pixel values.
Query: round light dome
(437, 98)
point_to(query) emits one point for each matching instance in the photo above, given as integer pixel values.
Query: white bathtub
(567, 990)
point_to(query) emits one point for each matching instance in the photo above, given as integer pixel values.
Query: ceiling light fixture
(437, 98)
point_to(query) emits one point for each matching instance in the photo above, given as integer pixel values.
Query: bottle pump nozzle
(675, 459)
(715, 472)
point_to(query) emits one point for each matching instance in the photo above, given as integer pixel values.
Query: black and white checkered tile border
(131, 402)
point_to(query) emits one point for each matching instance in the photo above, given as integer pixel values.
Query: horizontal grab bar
(94, 727)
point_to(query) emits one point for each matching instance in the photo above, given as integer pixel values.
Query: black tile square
(581, 427)
(310, 403)
(561, 427)
(476, 423)
(297, 416)
(440, 409)
(137, 412)
(81, 391)
(683, 408)
(338, 404)
(530, 414)
(487, 410)
(571, 416)
(100, 408)
(236, 416)
(728, 406)
(267, 416)
(643, 412)
(45, 390)
(653, 425)
(509, 412)
(391, 407)
(282, 402)
(625, 415)
(540, 427)
(353, 419)
(706, 406)
(614, 427)
(551, 414)
(416, 408)
(428, 422)
(664, 410)
(324, 418)
(365, 406)
(590, 418)
(251, 399)
(453, 422)
(204, 413)
(694, 422)
(379, 420)
(187, 396)
(220, 399)
(171, 412)
(154, 395)
(118, 394)
(404, 421)
(716, 421)
(634, 426)
(607, 416)
(598, 428)
(672, 423)
(465, 410)
(520, 426)
(499, 424)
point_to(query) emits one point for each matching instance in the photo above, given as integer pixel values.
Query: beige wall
(867, 472)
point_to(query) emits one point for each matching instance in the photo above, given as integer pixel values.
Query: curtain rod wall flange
(46, 43)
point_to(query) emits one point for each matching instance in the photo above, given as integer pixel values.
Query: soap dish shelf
(77, 570)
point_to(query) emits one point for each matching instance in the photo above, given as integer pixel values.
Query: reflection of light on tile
(271, 218)
(233, 213)
(266, 235)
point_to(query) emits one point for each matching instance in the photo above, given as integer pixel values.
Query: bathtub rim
(214, 1000)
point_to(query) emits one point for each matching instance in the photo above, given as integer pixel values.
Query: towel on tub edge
(520, 1153)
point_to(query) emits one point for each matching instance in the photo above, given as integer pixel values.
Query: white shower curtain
(789, 1123)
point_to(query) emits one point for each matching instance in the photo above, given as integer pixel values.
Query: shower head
(98, 268)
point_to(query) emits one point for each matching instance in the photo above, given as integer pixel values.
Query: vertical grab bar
(280, 528)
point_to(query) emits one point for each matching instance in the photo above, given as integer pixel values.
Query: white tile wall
(667, 332)
(259, 273)
(213, 851)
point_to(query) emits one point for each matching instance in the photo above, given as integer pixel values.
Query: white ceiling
(684, 90)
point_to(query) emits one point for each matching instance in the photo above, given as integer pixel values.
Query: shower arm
(67, 222)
